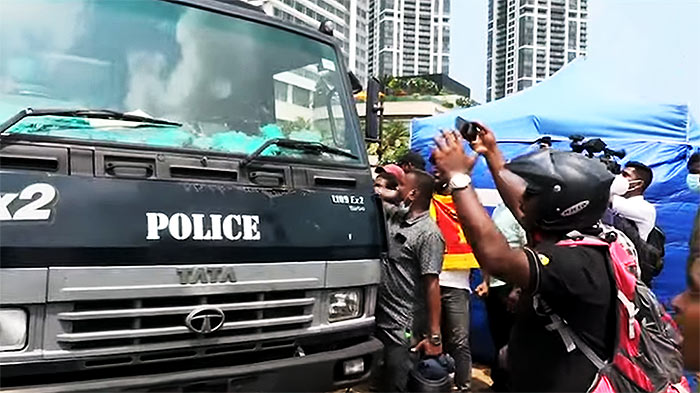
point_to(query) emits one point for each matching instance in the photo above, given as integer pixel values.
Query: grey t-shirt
(416, 247)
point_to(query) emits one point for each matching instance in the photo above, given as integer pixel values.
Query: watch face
(460, 181)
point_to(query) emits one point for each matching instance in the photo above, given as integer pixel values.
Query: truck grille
(107, 323)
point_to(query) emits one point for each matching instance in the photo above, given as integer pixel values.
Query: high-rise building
(348, 16)
(529, 40)
(409, 37)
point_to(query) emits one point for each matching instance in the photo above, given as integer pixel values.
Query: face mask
(619, 186)
(693, 181)
(404, 207)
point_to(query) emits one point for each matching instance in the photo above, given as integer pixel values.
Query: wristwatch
(435, 339)
(460, 181)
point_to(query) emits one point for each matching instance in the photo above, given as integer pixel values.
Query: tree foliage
(393, 144)
(410, 86)
(465, 102)
(299, 124)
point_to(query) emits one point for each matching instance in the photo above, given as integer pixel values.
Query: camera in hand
(599, 149)
(468, 129)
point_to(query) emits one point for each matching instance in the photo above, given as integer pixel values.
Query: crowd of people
(544, 297)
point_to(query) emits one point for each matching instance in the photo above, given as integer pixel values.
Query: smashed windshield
(232, 84)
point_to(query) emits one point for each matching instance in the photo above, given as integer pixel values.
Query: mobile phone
(468, 129)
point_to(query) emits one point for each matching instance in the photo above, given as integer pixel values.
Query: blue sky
(651, 48)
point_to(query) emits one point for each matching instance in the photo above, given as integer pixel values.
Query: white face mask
(693, 181)
(619, 186)
(404, 207)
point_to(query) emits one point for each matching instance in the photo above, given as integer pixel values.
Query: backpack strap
(632, 311)
(586, 350)
(556, 323)
(569, 337)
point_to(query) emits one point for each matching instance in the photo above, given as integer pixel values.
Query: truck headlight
(13, 329)
(344, 304)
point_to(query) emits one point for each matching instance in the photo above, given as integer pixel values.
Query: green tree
(465, 102)
(393, 144)
(299, 124)
(410, 86)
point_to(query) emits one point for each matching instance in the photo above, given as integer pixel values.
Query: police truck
(185, 201)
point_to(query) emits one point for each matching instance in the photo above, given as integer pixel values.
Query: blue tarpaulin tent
(575, 101)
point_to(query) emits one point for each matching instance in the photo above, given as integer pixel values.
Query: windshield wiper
(312, 147)
(87, 113)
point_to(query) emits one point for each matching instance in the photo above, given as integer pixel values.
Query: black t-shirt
(577, 284)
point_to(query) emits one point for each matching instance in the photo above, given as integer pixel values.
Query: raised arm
(509, 185)
(490, 247)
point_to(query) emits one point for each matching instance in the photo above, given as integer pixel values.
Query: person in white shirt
(627, 197)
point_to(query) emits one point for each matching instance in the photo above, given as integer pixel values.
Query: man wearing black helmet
(552, 194)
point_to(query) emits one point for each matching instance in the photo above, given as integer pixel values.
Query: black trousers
(500, 324)
(398, 360)
(455, 332)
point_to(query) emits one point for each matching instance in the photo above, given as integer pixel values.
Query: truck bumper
(320, 372)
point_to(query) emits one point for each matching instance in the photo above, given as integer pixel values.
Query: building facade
(350, 19)
(529, 40)
(409, 37)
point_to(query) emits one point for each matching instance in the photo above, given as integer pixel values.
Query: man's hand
(485, 142)
(482, 290)
(449, 156)
(428, 348)
(513, 299)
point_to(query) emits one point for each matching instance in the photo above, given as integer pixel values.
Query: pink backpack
(647, 355)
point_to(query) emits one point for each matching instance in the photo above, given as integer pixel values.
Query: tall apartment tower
(409, 37)
(350, 19)
(529, 40)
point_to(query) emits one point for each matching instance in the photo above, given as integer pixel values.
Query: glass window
(386, 32)
(222, 78)
(571, 56)
(526, 30)
(524, 84)
(301, 97)
(525, 62)
(281, 91)
(572, 34)
(489, 45)
(573, 4)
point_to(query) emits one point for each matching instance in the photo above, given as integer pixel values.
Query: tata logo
(205, 320)
(206, 275)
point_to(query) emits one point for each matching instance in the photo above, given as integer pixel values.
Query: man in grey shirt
(408, 310)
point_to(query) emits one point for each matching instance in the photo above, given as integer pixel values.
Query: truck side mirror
(373, 109)
(355, 83)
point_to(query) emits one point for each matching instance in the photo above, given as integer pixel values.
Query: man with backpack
(566, 323)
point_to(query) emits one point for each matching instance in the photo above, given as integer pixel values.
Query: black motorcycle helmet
(572, 190)
(431, 375)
